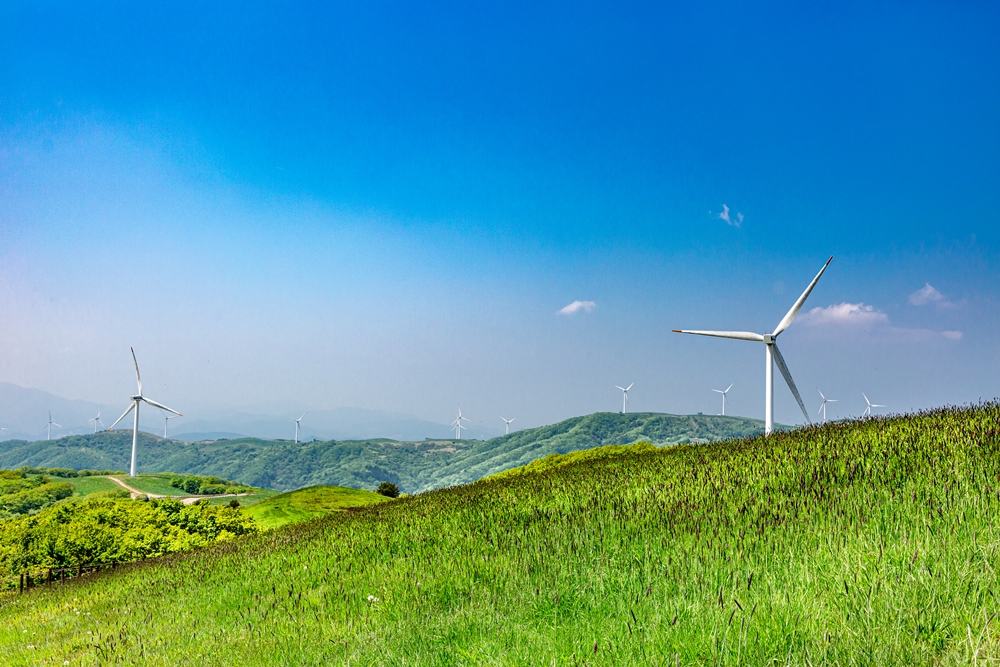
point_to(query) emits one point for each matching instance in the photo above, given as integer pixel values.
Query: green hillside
(309, 503)
(413, 466)
(871, 543)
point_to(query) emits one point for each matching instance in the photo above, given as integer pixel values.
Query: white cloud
(928, 294)
(724, 216)
(952, 335)
(577, 306)
(847, 313)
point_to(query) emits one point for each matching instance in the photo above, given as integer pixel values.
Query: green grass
(87, 485)
(867, 543)
(308, 503)
(247, 500)
(154, 483)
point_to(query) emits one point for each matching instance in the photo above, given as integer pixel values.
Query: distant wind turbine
(868, 410)
(50, 425)
(624, 396)
(97, 420)
(167, 418)
(826, 400)
(136, 400)
(457, 424)
(771, 353)
(719, 391)
(297, 425)
(507, 425)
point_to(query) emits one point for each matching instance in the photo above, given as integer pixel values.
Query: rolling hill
(872, 542)
(413, 466)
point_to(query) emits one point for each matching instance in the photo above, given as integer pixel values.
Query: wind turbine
(136, 400)
(97, 420)
(771, 353)
(457, 424)
(826, 400)
(297, 425)
(167, 418)
(50, 425)
(719, 391)
(868, 410)
(624, 397)
(507, 425)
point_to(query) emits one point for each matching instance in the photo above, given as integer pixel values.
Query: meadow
(861, 543)
(307, 503)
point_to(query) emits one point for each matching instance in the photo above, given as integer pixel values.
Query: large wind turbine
(297, 425)
(624, 397)
(507, 425)
(719, 391)
(50, 425)
(457, 424)
(97, 420)
(868, 410)
(826, 400)
(771, 353)
(136, 400)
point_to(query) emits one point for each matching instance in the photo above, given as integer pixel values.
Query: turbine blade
(622, 388)
(866, 398)
(791, 383)
(821, 394)
(728, 388)
(630, 386)
(718, 391)
(737, 335)
(820, 409)
(303, 415)
(790, 315)
(161, 406)
(124, 415)
(60, 426)
(138, 380)
(833, 400)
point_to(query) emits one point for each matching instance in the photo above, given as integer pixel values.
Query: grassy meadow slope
(871, 542)
(308, 503)
(413, 466)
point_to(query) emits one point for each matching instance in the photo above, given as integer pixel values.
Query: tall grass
(865, 543)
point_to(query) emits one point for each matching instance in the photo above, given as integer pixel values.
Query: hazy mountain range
(24, 412)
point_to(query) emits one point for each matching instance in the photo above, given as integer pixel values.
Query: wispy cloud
(576, 307)
(847, 313)
(725, 217)
(929, 295)
(860, 316)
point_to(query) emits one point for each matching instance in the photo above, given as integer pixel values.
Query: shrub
(234, 503)
(212, 489)
(388, 489)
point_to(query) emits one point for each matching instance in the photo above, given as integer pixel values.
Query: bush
(388, 489)
(234, 503)
(212, 489)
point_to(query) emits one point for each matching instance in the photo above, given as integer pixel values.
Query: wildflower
(372, 598)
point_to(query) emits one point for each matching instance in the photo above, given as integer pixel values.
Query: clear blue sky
(386, 205)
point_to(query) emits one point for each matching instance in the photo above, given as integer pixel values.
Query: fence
(28, 580)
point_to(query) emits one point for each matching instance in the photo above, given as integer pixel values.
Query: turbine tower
(826, 400)
(507, 425)
(166, 418)
(136, 400)
(719, 391)
(457, 424)
(97, 420)
(624, 397)
(867, 412)
(297, 425)
(50, 425)
(771, 353)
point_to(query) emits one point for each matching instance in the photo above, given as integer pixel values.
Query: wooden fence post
(20, 584)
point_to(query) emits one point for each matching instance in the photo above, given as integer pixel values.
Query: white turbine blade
(821, 394)
(138, 380)
(303, 415)
(866, 399)
(874, 405)
(622, 388)
(630, 386)
(820, 408)
(718, 391)
(55, 424)
(124, 415)
(790, 315)
(161, 406)
(737, 335)
(728, 388)
(833, 400)
(791, 383)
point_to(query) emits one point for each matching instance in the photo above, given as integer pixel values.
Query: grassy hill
(413, 466)
(309, 503)
(871, 542)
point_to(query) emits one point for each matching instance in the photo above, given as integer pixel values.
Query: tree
(388, 489)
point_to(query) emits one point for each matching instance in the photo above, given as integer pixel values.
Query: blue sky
(386, 206)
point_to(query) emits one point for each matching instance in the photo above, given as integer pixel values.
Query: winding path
(187, 500)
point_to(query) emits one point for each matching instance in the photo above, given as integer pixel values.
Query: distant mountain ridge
(414, 466)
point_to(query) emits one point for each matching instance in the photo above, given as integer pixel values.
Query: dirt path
(187, 500)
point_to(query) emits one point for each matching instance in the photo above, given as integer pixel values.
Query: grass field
(308, 503)
(867, 543)
(247, 500)
(153, 483)
(86, 485)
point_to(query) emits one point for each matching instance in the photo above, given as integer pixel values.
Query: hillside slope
(856, 543)
(413, 466)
